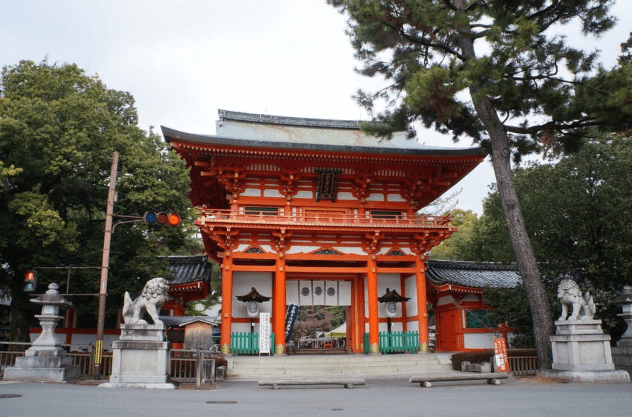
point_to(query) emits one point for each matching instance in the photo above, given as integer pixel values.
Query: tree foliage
(58, 130)
(464, 221)
(578, 214)
(498, 72)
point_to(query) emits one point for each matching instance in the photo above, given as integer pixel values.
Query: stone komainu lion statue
(570, 295)
(150, 300)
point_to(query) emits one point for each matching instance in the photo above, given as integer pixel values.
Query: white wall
(242, 284)
(478, 340)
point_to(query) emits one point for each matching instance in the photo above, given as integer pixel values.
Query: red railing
(323, 217)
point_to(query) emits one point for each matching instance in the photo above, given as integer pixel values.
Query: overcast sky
(183, 60)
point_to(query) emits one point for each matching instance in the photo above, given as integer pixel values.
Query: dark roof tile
(187, 269)
(471, 274)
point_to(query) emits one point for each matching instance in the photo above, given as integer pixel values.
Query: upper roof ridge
(287, 121)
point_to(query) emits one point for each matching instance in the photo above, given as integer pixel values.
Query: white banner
(264, 333)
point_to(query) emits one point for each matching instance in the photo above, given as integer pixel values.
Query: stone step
(257, 367)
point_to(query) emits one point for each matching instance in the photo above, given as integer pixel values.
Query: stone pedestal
(45, 360)
(581, 353)
(140, 358)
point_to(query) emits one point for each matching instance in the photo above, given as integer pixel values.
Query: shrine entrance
(322, 320)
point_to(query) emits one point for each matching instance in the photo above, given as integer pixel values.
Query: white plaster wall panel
(478, 340)
(251, 192)
(266, 248)
(411, 291)
(375, 197)
(305, 293)
(448, 299)
(302, 249)
(344, 293)
(366, 298)
(272, 192)
(242, 284)
(470, 297)
(388, 281)
(355, 251)
(345, 196)
(292, 292)
(318, 288)
(395, 327)
(240, 327)
(394, 197)
(413, 326)
(304, 194)
(242, 247)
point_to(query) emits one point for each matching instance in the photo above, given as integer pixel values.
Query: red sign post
(500, 355)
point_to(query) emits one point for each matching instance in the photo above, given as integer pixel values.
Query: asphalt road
(515, 397)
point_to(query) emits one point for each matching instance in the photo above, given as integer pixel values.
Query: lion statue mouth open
(152, 298)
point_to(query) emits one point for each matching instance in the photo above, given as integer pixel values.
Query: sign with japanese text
(501, 360)
(264, 333)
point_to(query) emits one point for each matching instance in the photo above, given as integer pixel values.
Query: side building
(315, 212)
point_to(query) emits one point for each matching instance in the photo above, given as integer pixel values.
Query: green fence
(248, 343)
(395, 342)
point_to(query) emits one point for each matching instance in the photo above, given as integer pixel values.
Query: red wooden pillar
(357, 329)
(374, 336)
(422, 311)
(279, 307)
(227, 303)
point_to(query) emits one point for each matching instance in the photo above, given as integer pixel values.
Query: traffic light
(162, 219)
(30, 281)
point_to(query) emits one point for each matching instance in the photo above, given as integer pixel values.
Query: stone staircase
(254, 368)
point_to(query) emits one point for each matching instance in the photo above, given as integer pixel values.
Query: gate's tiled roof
(472, 274)
(187, 269)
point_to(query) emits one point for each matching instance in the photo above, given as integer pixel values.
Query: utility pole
(105, 265)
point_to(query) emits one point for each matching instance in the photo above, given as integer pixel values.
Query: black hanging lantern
(391, 298)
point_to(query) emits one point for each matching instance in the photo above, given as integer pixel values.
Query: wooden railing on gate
(395, 342)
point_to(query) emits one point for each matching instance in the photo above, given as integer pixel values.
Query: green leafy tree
(58, 130)
(464, 221)
(498, 72)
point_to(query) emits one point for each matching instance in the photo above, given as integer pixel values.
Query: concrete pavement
(384, 397)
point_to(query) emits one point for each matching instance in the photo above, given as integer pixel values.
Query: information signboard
(264, 333)
(501, 361)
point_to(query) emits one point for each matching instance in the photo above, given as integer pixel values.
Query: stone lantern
(622, 354)
(45, 360)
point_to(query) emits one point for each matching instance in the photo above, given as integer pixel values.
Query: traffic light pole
(105, 265)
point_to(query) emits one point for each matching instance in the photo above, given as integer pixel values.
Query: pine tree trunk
(521, 245)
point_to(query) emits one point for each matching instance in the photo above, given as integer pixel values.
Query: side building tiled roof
(188, 269)
(472, 274)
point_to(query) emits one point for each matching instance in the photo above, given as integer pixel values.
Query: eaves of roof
(210, 140)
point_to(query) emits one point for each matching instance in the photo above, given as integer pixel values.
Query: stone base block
(587, 376)
(40, 374)
(137, 385)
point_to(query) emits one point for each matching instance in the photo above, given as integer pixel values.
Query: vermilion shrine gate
(314, 212)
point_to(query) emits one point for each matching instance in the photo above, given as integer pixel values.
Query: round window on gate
(318, 290)
(305, 292)
(331, 291)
